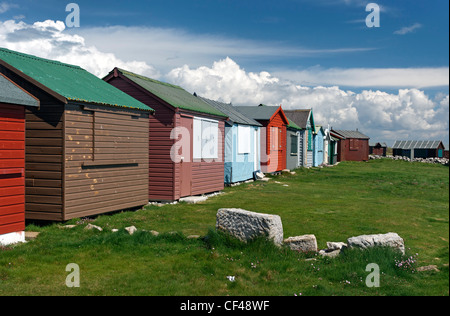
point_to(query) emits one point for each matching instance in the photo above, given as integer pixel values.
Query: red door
(186, 157)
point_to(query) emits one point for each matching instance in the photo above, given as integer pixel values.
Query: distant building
(378, 149)
(418, 148)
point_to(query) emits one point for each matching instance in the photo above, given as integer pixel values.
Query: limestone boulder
(381, 240)
(246, 225)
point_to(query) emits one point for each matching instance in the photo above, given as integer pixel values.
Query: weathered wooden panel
(209, 176)
(161, 183)
(106, 159)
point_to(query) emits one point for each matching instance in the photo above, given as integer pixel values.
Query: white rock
(91, 226)
(246, 225)
(382, 240)
(194, 199)
(131, 230)
(305, 243)
(335, 245)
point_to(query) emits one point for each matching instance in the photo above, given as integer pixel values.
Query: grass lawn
(353, 198)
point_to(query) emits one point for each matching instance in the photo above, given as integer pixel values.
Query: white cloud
(408, 29)
(5, 6)
(409, 113)
(168, 48)
(371, 77)
(48, 39)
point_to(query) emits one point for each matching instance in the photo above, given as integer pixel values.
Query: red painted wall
(353, 149)
(12, 165)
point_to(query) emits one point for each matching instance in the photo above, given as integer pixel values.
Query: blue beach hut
(242, 143)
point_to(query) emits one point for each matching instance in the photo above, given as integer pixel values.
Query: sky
(391, 82)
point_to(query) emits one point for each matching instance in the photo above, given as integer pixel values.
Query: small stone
(330, 254)
(335, 245)
(194, 199)
(91, 226)
(114, 230)
(67, 226)
(305, 243)
(428, 268)
(131, 230)
(31, 235)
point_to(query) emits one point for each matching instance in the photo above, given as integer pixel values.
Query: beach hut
(352, 145)
(330, 148)
(418, 148)
(293, 145)
(242, 143)
(304, 118)
(273, 138)
(186, 138)
(318, 140)
(13, 101)
(86, 145)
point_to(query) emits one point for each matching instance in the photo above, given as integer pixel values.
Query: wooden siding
(162, 171)
(43, 153)
(353, 149)
(12, 165)
(209, 176)
(106, 160)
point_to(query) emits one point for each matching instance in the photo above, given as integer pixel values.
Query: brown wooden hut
(87, 144)
(352, 145)
(186, 138)
(378, 149)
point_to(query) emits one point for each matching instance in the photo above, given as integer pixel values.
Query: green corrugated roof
(72, 82)
(172, 94)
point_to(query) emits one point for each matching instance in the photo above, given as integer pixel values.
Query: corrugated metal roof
(10, 93)
(416, 144)
(172, 94)
(72, 82)
(261, 112)
(228, 109)
(351, 134)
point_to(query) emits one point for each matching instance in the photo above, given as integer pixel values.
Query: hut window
(244, 133)
(294, 144)
(205, 138)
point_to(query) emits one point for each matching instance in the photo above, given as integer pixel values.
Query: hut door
(186, 162)
(255, 150)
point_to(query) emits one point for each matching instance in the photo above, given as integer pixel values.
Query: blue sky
(316, 25)
(299, 53)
